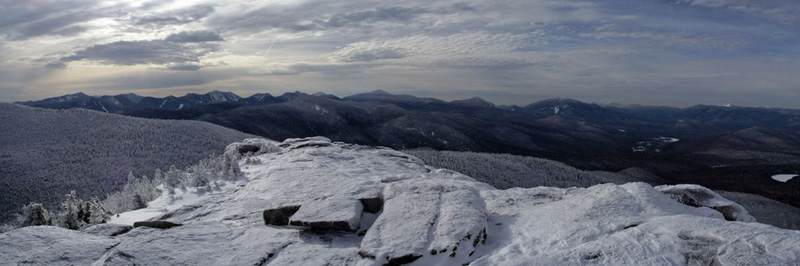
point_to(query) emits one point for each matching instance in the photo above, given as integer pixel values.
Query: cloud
(393, 14)
(368, 55)
(175, 17)
(782, 11)
(158, 52)
(27, 19)
(523, 47)
(195, 36)
(321, 16)
(56, 65)
(185, 67)
(457, 50)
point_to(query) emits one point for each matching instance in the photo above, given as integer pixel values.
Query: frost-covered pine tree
(98, 214)
(34, 214)
(70, 212)
(138, 202)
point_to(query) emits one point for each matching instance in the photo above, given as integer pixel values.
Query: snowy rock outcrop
(443, 217)
(315, 202)
(698, 196)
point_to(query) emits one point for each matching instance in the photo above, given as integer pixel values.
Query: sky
(653, 52)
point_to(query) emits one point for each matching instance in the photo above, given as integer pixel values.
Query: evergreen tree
(70, 212)
(34, 214)
(138, 203)
(98, 214)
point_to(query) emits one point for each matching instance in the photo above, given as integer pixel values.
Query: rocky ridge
(315, 202)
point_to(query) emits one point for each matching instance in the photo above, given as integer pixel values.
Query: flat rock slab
(426, 218)
(329, 214)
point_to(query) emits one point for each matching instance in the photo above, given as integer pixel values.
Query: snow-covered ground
(783, 177)
(169, 202)
(403, 211)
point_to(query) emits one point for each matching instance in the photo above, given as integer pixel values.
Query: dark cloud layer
(157, 52)
(185, 67)
(177, 17)
(195, 36)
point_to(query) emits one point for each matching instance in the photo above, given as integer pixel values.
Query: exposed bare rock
(279, 216)
(156, 224)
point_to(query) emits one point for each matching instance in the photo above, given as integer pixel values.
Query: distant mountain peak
(132, 97)
(475, 101)
(379, 91)
(223, 96)
(78, 94)
(60, 99)
(69, 97)
(325, 95)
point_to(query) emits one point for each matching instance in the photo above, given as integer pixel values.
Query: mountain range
(725, 147)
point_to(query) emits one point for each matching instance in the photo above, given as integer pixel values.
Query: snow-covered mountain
(314, 202)
(474, 101)
(126, 102)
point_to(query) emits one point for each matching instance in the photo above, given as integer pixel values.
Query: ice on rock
(631, 224)
(48, 245)
(402, 231)
(435, 216)
(198, 244)
(461, 224)
(296, 143)
(332, 214)
(698, 196)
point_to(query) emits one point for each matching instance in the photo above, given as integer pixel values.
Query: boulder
(426, 218)
(329, 214)
(698, 196)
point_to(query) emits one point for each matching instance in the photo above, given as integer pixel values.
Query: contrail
(270, 47)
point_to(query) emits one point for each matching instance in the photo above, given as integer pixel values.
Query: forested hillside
(44, 154)
(507, 171)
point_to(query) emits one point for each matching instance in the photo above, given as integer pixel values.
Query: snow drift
(314, 202)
